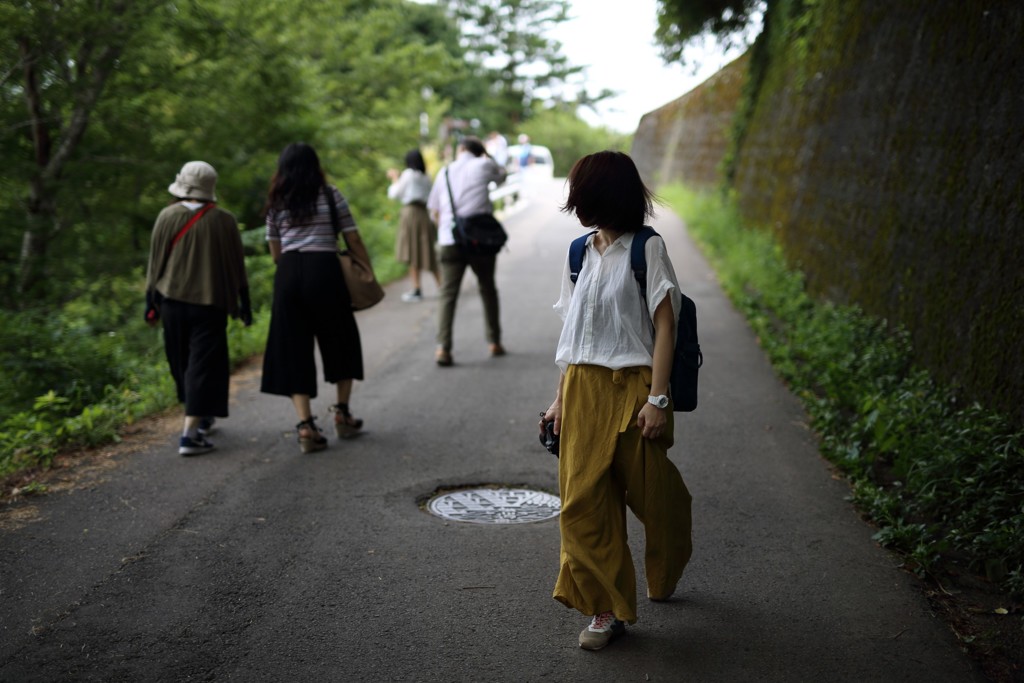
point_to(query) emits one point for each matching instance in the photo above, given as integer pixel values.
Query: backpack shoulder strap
(638, 257)
(577, 251)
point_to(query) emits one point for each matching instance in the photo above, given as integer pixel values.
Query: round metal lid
(495, 505)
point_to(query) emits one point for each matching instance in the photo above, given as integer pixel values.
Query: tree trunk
(40, 227)
(43, 223)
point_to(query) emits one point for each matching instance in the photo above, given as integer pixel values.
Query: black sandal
(314, 439)
(346, 426)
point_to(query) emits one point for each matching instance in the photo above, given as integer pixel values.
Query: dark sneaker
(196, 446)
(602, 629)
(206, 425)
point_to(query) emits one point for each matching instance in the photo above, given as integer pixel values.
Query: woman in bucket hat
(305, 216)
(195, 280)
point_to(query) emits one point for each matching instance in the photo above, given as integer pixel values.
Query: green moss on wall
(687, 138)
(883, 149)
(881, 143)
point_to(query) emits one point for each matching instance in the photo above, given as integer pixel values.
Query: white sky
(615, 41)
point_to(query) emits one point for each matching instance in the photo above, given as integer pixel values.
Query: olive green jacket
(205, 267)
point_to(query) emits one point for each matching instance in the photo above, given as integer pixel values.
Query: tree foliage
(103, 100)
(63, 55)
(515, 59)
(568, 137)
(680, 21)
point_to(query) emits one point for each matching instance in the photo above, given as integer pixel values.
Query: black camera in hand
(548, 438)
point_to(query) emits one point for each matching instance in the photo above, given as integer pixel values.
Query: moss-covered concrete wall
(885, 148)
(687, 138)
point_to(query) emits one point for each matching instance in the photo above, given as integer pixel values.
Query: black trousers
(311, 305)
(196, 344)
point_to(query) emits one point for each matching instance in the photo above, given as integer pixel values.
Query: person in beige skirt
(417, 234)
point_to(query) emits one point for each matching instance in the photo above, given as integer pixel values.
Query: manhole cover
(495, 505)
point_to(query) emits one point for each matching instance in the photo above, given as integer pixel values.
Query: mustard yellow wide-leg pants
(605, 465)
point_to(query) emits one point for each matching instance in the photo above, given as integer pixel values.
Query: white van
(540, 162)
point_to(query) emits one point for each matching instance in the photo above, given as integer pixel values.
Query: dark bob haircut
(605, 191)
(473, 146)
(414, 160)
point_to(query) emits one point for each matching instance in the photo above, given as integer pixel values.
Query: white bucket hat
(196, 180)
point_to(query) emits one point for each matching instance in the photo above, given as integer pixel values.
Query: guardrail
(505, 196)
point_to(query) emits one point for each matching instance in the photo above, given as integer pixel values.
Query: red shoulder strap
(192, 221)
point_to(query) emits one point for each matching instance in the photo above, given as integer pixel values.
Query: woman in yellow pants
(612, 410)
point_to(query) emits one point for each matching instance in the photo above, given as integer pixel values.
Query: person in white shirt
(611, 408)
(470, 174)
(497, 147)
(417, 234)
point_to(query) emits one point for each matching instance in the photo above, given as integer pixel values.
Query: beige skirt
(416, 238)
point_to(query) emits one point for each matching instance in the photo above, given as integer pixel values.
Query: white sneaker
(602, 629)
(412, 297)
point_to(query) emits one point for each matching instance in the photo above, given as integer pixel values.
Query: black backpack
(688, 357)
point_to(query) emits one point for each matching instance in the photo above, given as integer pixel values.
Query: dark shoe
(345, 426)
(443, 357)
(603, 628)
(196, 446)
(206, 425)
(311, 439)
(497, 350)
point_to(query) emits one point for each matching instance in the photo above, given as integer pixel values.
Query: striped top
(316, 232)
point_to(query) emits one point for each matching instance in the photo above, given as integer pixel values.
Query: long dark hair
(605, 190)
(297, 182)
(414, 160)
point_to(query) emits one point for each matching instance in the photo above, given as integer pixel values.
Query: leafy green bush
(944, 482)
(77, 374)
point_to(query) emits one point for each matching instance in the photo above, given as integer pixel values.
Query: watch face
(659, 401)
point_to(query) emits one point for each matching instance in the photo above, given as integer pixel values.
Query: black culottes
(311, 303)
(196, 344)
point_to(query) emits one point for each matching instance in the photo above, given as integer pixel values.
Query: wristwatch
(658, 401)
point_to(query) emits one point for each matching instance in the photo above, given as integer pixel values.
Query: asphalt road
(257, 563)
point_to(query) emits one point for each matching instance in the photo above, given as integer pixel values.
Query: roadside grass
(79, 374)
(76, 376)
(942, 481)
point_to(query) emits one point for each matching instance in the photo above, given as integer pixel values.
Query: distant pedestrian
(525, 157)
(195, 280)
(497, 147)
(305, 215)
(415, 243)
(612, 410)
(469, 176)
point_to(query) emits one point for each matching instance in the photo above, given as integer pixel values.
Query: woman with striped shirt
(304, 218)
